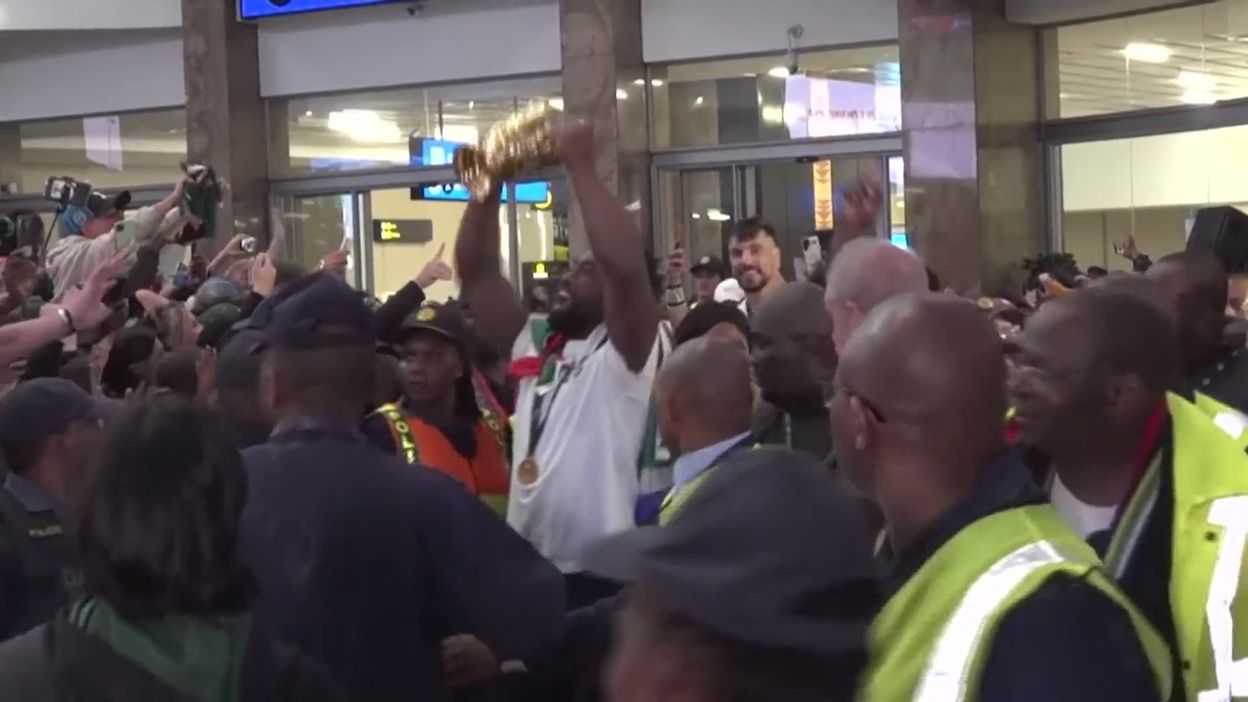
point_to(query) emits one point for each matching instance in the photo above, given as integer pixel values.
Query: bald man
(991, 595)
(793, 362)
(1215, 361)
(1149, 478)
(704, 403)
(865, 273)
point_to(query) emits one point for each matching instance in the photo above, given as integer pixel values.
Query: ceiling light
(1146, 52)
(657, 83)
(697, 216)
(308, 113)
(773, 114)
(698, 101)
(751, 75)
(1198, 97)
(1195, 80)
(364, 126)
(717, 216)
(621, 94)
(555, 103)
(472, 104)
(779, 72)
(639, 81)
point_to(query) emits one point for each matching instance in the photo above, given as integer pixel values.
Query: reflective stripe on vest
(406, 444)
(1228, 419)
(948, 670)
(1230, 513)
(934, 635)
(1208, 594)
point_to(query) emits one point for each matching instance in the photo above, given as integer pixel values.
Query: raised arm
(495, 305)
(80, 309)
(629, 305)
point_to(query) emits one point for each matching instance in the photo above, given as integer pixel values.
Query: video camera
(67, 192)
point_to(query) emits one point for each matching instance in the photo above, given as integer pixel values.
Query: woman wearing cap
(439, 422)
(166, 614)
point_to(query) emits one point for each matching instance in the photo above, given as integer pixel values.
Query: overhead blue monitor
(259, 9)
(534, 193)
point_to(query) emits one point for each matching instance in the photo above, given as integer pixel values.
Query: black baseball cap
(708, 264)
(39, 409)
(771, 550)
(100, 204)
(316, 311)
(445, 320)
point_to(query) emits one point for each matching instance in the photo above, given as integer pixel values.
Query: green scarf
(201, 658)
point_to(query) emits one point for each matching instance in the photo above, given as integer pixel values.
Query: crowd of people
(699, 484)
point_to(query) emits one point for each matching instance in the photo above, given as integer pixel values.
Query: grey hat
(771, 550)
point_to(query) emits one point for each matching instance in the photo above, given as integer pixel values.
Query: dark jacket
(1067, 641)
(1225, 378)
(58, 662)
(366, 564)
(808, 432)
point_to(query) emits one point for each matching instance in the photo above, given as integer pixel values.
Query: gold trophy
(524, 143)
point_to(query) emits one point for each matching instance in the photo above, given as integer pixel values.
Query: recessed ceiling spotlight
(1146, 52)
(1197, 80)
(1198, 97)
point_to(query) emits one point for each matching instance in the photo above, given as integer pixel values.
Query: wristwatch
(674, 296)
(67, 318)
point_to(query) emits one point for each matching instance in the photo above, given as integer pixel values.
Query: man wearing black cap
(50, 430)
(991, 595)
(708, 273)
(439, 422)
(762, 589)
(367, 564)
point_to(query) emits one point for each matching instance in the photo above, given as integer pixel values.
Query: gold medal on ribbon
(528, 471)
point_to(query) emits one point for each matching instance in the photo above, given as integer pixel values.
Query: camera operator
(99, 231)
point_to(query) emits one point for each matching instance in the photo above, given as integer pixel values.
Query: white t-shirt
(1086, 519)
(586, 486)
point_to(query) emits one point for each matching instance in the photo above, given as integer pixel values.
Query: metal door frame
(740, 158)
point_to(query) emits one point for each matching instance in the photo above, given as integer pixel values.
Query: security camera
(794, 35)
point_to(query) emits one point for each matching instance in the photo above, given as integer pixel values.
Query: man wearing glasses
(990, 594)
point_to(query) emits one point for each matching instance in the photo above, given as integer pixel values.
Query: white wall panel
(675, 30)
(1056, 11)
(55, 74)
(384, 46)
(59, 15)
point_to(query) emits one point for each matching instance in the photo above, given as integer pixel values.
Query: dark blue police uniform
(367, 564)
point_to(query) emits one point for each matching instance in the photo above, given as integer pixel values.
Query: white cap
(729, 290)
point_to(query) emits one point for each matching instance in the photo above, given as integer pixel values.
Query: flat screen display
(532, 193)
(259, 9)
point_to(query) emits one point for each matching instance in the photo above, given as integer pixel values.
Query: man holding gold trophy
(585, 373)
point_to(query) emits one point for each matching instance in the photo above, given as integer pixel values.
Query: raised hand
(861, 206)
(263, 275)
(437, 269)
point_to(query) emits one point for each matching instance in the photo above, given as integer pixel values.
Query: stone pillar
(225, 125)
(974, 163)
(601, 65)
(11, 157)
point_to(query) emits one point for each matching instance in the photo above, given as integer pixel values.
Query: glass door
(317, 225)
(800, 197)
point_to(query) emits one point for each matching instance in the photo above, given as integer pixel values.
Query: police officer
(1162, 490)
(439, 422)
(704, 403)
(991, 596)
(1215, 360)
(50, 432)
(366, 564)
(762, 588)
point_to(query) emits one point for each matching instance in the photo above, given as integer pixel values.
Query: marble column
(974, 163)
(225, 124)
(602, 69)
(11, 157)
